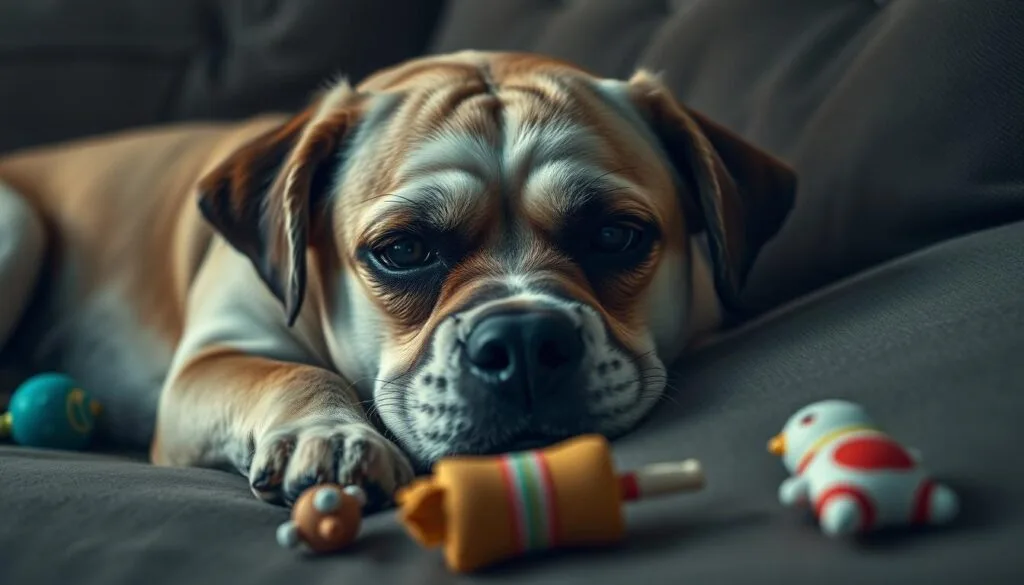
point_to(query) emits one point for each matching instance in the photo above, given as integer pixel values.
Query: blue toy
(50, 411)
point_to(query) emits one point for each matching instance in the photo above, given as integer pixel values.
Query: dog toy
(484, 510)
(326, 518)
(50, 411)
(853, 476)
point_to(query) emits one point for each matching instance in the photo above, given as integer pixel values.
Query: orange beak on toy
(777, 445)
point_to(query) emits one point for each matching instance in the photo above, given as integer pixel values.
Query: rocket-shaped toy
(484, 510)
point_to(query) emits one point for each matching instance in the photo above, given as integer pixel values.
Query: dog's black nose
(531, 350)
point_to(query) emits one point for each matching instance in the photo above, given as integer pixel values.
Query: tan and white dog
(466, 253)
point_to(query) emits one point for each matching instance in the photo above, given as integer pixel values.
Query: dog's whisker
(394, 382)
(645, 354)
(669, 398)
(660, 395)
(401, 430)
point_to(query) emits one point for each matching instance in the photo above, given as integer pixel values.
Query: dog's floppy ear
(742, 195)
(260, 198)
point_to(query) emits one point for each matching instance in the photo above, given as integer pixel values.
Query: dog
(462, 254)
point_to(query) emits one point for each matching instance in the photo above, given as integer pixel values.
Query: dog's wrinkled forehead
(501, 148)
(493, 144)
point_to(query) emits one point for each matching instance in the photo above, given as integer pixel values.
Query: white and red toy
(855, 477)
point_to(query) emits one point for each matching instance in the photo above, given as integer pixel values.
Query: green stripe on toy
(530, 491)
(50, 411)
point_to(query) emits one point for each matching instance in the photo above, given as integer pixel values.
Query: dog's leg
(286, 426)
(243, 393)
(22, 247)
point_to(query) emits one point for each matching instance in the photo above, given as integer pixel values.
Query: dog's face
(501, 248)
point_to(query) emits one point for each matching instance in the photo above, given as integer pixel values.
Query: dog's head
(503, 249)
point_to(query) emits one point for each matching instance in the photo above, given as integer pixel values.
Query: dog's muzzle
(525, 363)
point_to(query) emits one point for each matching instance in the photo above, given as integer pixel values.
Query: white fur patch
(669, 303)
(452, 195)
(22, 252)
(451, 151)
(531, 147)
(230, 307)
(357, 327)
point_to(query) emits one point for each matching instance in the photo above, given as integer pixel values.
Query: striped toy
(484, 510)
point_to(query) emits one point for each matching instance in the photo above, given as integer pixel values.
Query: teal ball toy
(50, 411)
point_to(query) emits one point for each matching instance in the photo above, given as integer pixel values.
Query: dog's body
(489, 249)
(123, 239)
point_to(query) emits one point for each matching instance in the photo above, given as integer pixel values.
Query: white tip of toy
(785, 494)
(792, 492)
(287, 535)
(357, 493)
(840, 517)
(944, 505)
(693, 468)
(326, 500)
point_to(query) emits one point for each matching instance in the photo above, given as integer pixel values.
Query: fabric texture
(903, 121)
(70, 69)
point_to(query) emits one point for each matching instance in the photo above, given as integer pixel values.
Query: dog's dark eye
(405, 252)
(615, 238)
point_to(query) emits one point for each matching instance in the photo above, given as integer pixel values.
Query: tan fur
(119, 198)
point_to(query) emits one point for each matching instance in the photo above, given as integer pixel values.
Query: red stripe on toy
(551, 510)
(922, 503)
(515, 501)
(867, 508)
(628, 487)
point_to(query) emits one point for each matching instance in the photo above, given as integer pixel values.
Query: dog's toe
(368, 459)
(291, 460)
(312, 462)
(269, 464)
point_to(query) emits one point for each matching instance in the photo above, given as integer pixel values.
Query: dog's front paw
(291, 458)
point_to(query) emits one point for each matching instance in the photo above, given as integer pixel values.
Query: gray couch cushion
(70, 69)
(931, 344)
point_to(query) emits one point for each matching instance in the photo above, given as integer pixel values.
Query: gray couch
(898, 282)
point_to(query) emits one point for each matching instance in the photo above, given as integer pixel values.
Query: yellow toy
(484, 510)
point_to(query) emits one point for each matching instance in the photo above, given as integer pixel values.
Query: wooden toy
(326, 518)
(483, 510)
(50, 411)
(855, 477)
